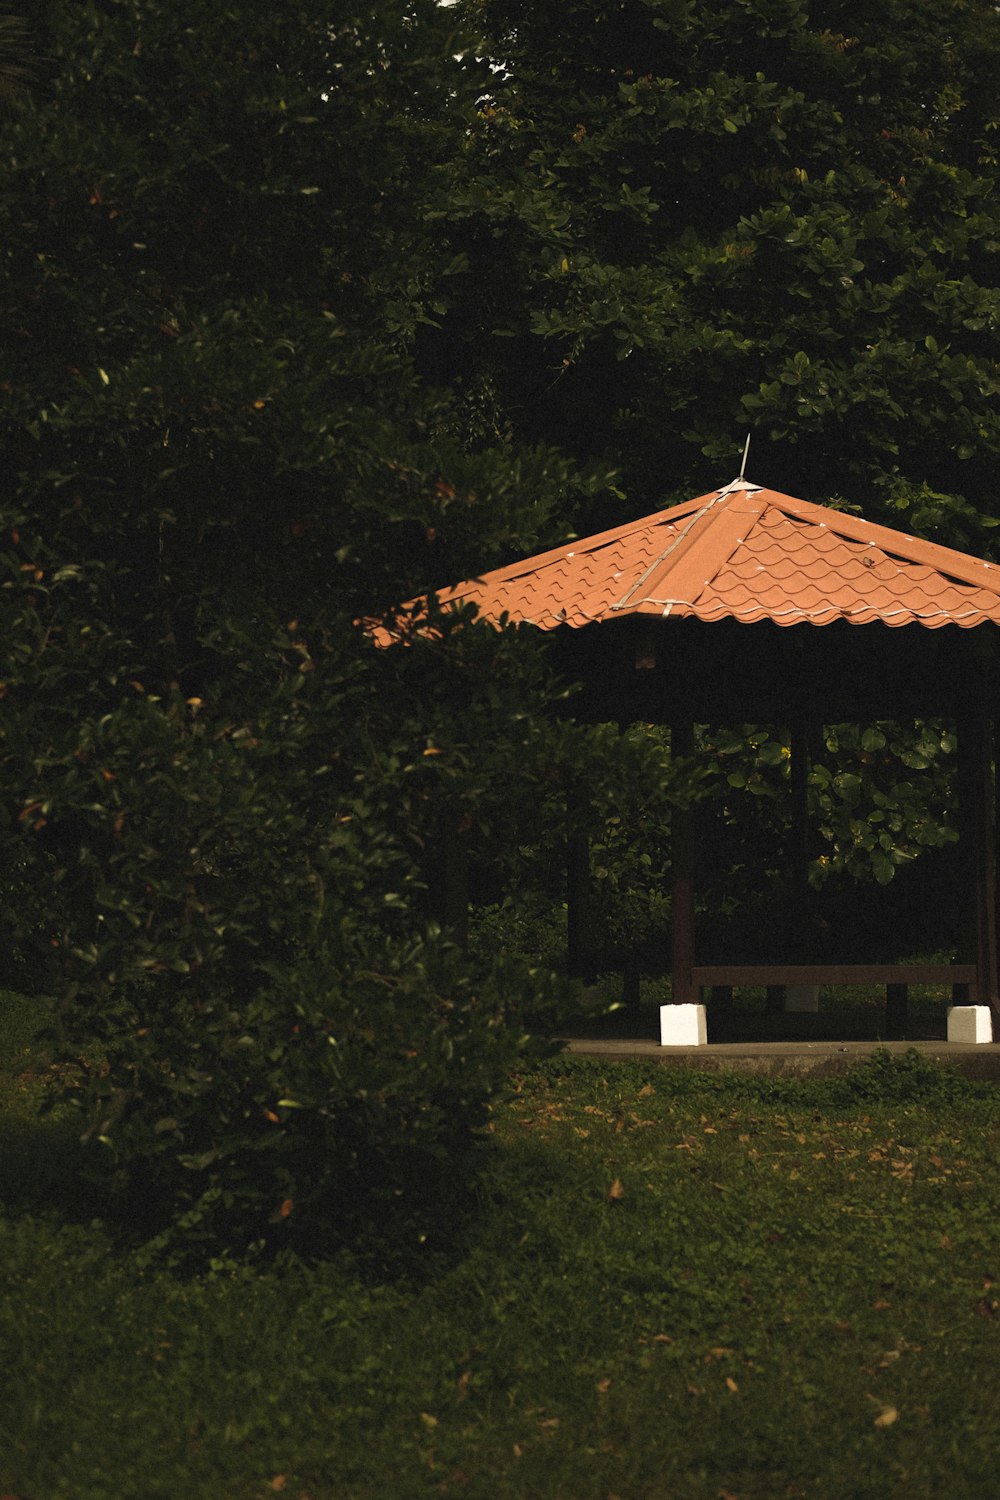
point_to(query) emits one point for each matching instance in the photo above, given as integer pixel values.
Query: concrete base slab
(789, 1059)
(683, 1026)
(969, 1023)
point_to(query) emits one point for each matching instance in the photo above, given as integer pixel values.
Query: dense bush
(223, 805)
(341, 1104)
(271, 1038)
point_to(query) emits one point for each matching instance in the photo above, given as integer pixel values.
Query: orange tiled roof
(749, 554)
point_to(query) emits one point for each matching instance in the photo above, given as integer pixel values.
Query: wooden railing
(738, 974)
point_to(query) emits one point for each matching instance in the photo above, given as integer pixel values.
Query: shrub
(270, 1042)
(334, 1106)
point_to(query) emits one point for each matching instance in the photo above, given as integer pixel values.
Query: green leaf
(772, 753)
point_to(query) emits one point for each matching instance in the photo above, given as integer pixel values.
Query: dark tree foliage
(685, 222)
(218, 459)
(310, 307)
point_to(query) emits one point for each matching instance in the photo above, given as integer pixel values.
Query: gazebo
(747, 605)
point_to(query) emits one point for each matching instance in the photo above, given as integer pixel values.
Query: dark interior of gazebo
(686, 672)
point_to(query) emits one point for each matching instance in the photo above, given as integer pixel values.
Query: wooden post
(965, 994)
(987, 882)
(896, 1011)
(986, 941)
(992, 855)
(977, 831)
(631, 967)
(682, 839)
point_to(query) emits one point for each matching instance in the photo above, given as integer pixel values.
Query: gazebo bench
(684, 1024)
(738, 974)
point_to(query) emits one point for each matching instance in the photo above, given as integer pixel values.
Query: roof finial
(746, 450)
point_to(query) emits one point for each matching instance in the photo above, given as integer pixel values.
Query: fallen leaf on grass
(616, 1192)
(886, 1414)
(428, 1420)
(279, 1481)
(880, 1304)
(603, 1386)
(731, 1384)
(645, 1091)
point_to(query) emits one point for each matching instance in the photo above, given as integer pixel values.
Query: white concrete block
(802, 997)
(969, 1023)
(683, 1026)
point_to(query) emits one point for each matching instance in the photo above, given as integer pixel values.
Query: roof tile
(745, 553)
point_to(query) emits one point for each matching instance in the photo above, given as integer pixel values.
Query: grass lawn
(678, 1285)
